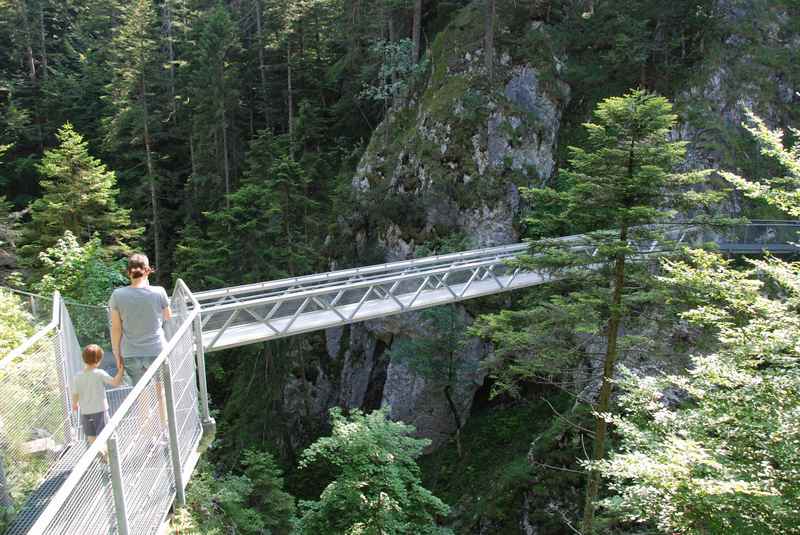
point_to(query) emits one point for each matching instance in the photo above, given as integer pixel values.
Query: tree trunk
(194, 167)
(604, 400)
(151, 176)
(489, 38)
(167, 15)
(226, 164)
(30, 61)
(290, 101)
(42, 34)
(261, 67)
(416, 30)
(448, 394)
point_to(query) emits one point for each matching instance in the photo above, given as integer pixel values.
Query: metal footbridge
(128, 480)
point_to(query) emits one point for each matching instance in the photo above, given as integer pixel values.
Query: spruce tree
(79, 196)
(133, 127)
(377, 489)
(214, 99)
(618, 192)
(265, 231)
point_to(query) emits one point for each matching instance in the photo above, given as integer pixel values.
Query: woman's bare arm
(116, 335)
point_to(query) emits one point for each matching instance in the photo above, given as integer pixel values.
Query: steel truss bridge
(127, 481)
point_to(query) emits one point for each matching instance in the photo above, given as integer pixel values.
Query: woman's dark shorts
(93, 423)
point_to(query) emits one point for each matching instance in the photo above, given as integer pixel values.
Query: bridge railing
(757, 236)
(127, 479)
(35, 420)
(245, 314)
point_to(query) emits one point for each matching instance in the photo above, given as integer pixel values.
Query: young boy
(88, 391)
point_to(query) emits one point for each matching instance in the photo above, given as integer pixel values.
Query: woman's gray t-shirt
(142, 313)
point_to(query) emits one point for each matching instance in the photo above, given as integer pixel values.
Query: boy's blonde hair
(92, 354)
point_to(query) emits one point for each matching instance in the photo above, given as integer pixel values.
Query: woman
(138, 313)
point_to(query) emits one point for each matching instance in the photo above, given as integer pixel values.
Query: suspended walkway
(253, 313)
(127, 481)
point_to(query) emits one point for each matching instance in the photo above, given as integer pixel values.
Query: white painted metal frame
(149, 459)
(258, 312)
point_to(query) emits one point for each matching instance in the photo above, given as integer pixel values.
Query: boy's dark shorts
(93, 423)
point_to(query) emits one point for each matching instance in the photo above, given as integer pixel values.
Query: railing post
(117, 487)
(61, 360)
(209, 425)
(172, 425)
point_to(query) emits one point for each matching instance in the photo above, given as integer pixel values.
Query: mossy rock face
(753, 67)
(453, 154)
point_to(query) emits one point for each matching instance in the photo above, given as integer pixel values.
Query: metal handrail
(345, 273)
(38, 335)
(101, 443)
(303, 293)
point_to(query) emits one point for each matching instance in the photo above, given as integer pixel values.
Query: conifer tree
(214, 98)
(620, 191)
(79, 196)
(267, 228)
(727, 461)
(377, 489)
(133, 125)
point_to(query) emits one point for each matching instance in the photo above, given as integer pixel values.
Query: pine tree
(267, 228)
(377, 489)
(79, 196)
(725, 460)
(619, 191)
(214, 99)
(135, 121)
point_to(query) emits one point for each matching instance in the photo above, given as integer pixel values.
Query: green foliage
(79, 272)
(134, 50)
(80, 197)
(725, 460)
(267, 231)
(396, 67)
(251, 502)
(213, 94)
(515, 455)
(15, 323)
(377, 489)
(8, 225)
(781, 192)
(617, 189)
(82, 274)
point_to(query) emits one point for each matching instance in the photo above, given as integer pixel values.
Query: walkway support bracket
(208, 423)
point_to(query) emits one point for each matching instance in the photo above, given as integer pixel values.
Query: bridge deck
(252, 332)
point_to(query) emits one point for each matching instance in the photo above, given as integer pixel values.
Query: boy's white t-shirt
(88, 384)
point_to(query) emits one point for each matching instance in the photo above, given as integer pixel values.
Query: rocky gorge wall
(453, 155)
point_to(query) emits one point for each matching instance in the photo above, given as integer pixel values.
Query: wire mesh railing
(40, 308)
(126, 481)
(36, 424)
